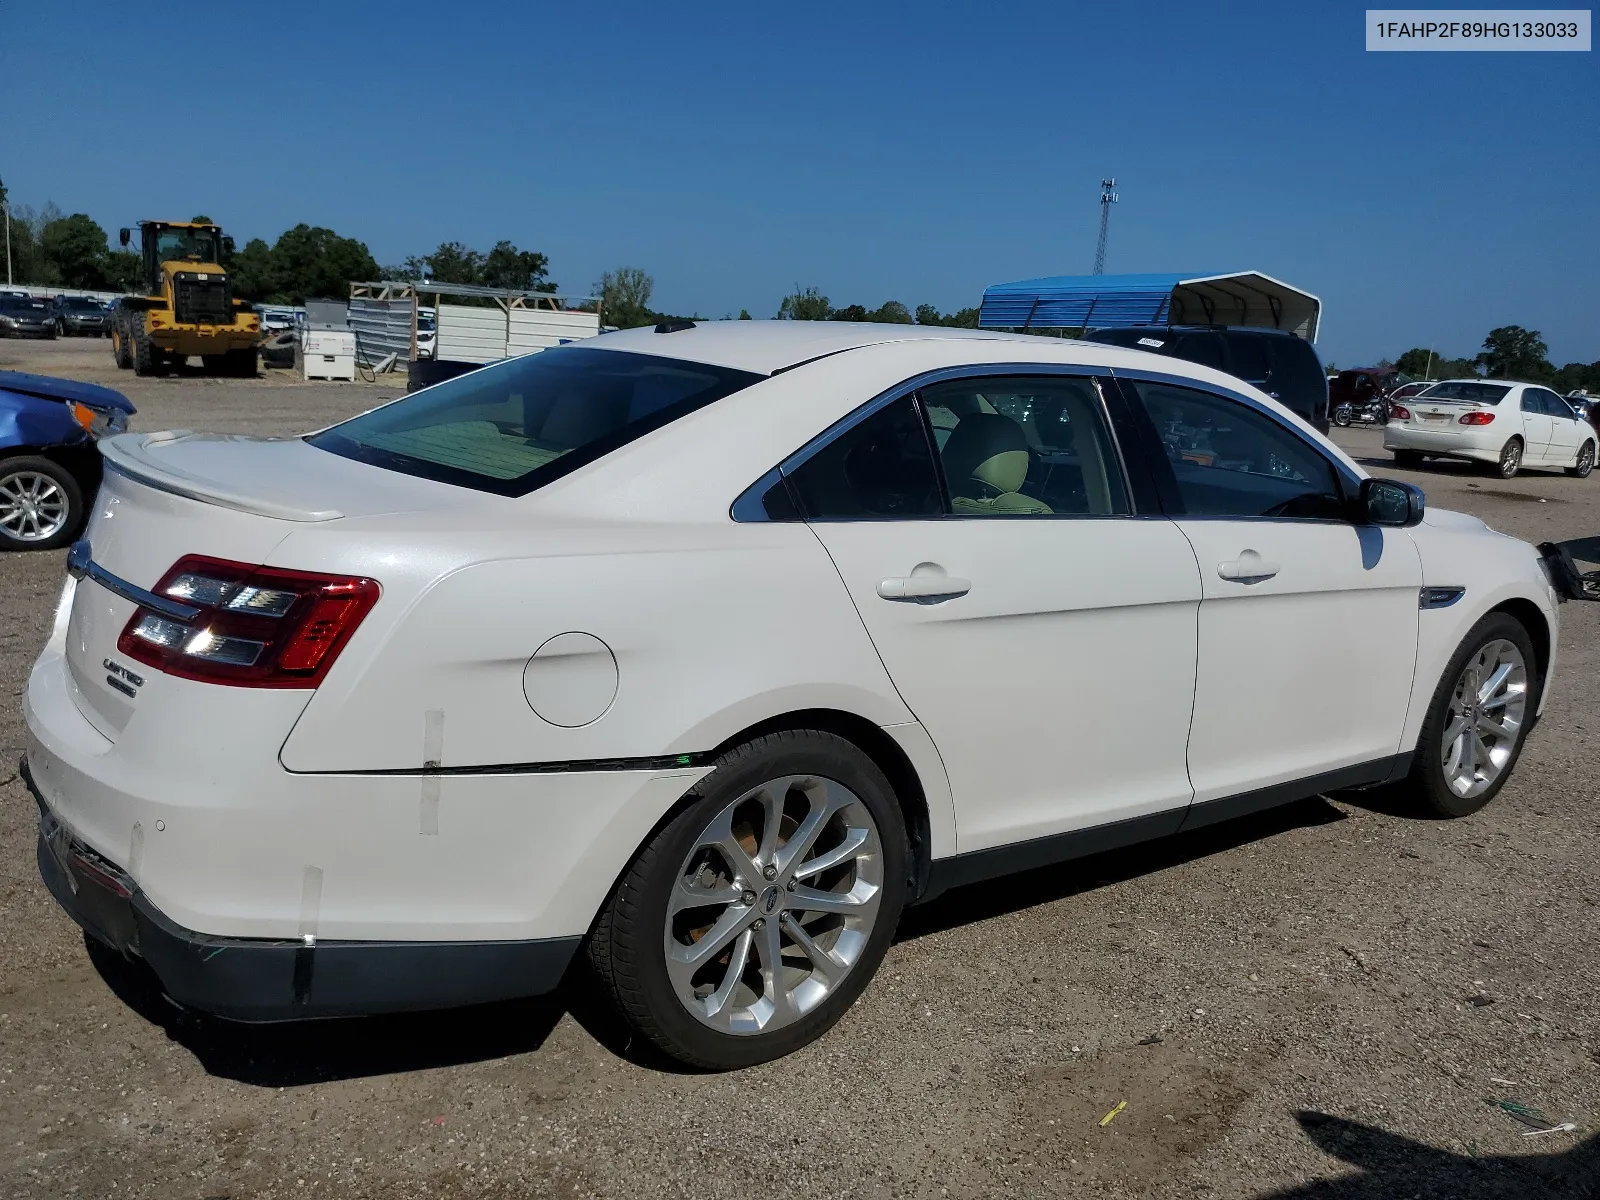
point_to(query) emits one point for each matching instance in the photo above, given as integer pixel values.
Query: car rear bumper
(191, 803)
(1450, 445)
(258, 979)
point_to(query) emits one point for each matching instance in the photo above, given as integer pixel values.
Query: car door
(1042, 633)
(1568, 431)
(1308, 622)
(1536, 428)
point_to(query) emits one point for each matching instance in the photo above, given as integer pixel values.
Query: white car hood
(1444, 518)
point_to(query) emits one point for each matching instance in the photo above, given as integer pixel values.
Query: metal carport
(1109, 301)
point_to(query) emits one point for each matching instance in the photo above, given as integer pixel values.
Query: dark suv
(1281, 364)
(80, 316)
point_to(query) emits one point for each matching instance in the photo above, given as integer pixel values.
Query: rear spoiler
(130, 454)
(1574, 567)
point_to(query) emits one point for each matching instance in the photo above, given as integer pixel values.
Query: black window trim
(1155, 457)
(1138, 486)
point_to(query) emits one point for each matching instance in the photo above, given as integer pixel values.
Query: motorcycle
(1371, 412)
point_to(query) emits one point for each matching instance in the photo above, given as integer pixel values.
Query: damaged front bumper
(1573, 567)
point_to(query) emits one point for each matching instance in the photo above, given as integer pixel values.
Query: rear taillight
(1399, 412)
(255, 626)
(1476, 418)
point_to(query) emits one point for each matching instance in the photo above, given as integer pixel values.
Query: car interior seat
(986, 461)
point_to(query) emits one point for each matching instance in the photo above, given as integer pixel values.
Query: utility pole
(1107, 198)
(7, 209)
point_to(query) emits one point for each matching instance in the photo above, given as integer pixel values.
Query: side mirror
(124, 237)
(1390, 502)
(227, 244)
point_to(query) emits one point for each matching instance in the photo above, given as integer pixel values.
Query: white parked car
(707, 650)
(1508, 425)
(427, 332)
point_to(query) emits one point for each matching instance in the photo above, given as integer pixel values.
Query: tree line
(1509, 352)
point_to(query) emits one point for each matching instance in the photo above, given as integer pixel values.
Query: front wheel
(752, 920)
(1585, 462)
(41, 504)
(1510, 459)
(1477, 720)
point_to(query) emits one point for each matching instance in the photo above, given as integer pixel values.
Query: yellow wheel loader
(188, 306)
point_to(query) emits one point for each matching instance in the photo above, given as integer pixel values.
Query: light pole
(7, 209)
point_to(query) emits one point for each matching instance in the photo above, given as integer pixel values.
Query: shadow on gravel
(1392, 1166)
(980, 901)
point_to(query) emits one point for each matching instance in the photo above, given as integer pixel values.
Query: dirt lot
(1285, 1003)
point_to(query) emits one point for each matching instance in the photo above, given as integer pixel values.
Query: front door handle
(926, 587)
(1249, 567)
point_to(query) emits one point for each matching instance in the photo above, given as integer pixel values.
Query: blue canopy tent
(1110, 301)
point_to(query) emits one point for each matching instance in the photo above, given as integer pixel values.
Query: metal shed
(1109, 301)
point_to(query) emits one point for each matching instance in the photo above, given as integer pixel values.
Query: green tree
(1421, 363)
(507, 267)
(452, 262)
(77, 247)
(744, 315)
(805, 304)
(625, 298)
(891, 312)
(309, 260)
(1512, 352)
(966, 318)
(251, 271)
(850, 312)
(200, 220)
(1578, 375)
(125, 271)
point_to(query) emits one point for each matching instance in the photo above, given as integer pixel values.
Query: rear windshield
(1469, 393)
(517, 425)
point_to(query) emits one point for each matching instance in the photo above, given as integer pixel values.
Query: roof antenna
(1107, 198)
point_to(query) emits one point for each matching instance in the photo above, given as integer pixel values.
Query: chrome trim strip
(80, 566)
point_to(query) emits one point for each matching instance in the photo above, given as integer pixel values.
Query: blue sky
(915, 152)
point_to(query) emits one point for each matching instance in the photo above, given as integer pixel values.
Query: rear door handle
(929, 588)
(1249, 567)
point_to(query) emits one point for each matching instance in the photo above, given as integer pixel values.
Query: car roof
(766, 347)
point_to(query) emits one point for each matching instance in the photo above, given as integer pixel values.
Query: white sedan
(1508, 425)
(706, 650)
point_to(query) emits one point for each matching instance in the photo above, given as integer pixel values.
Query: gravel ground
(1286, 1003)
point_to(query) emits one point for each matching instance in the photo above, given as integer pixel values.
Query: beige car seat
(986, 461)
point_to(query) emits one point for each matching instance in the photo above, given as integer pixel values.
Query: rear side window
(517, 425)
(882, 466)
(1231, 460)
(1025, 446)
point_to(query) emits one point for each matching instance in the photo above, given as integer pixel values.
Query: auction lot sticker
(1477, 29)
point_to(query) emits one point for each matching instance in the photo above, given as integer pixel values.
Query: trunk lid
(170, 494)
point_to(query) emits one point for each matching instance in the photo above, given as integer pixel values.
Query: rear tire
(1341, 417)
(1462, 722)
(731, 1007)
(1408, 458)
(1585, 462)
(41, 504)
(241, 364)
(1510, 459)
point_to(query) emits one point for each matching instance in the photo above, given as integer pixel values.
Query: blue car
(49, 464)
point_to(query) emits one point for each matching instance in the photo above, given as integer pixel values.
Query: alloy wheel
(33, 507)
(1510, 459)
(1485, 720)
(1586, 460)
(774, 904)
